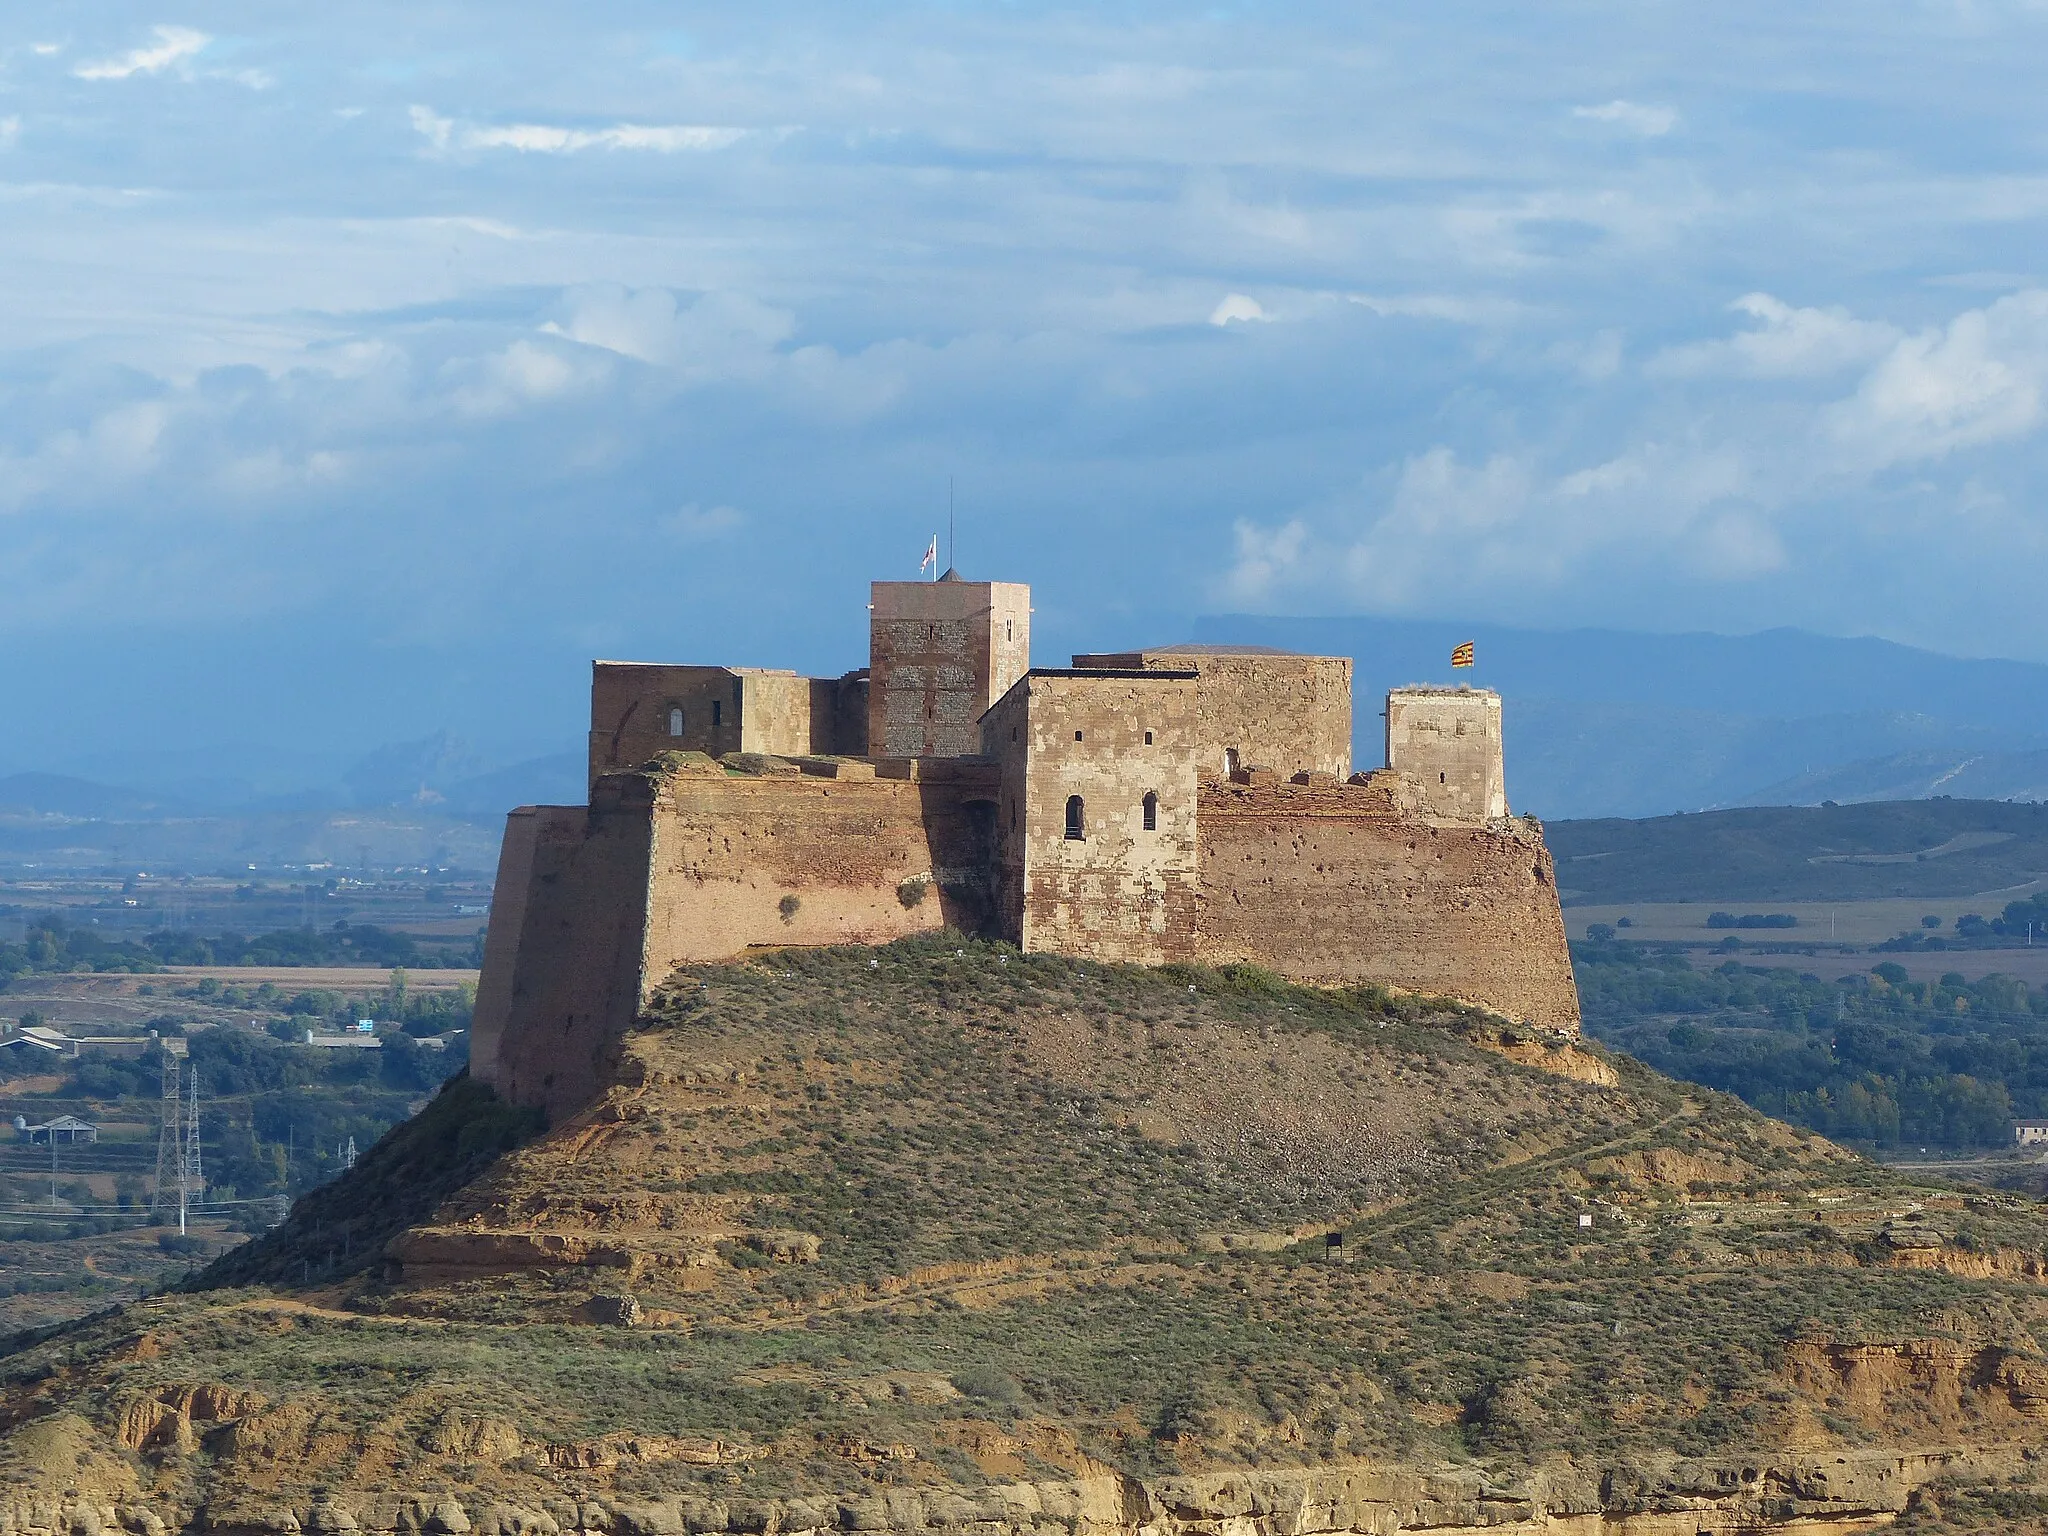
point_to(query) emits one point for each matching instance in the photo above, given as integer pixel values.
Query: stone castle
(1189, 803)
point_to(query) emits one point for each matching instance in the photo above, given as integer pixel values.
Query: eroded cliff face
(1815, 1496)
(941, 1239)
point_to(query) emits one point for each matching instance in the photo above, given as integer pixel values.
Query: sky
(366, 369)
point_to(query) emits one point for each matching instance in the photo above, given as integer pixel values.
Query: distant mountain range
(435, 774)
(1613, 723)
(1601, 723)
(428, 801)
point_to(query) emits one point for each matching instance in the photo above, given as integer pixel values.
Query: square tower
(1445, 743)
(939, 654)
(1096, 850)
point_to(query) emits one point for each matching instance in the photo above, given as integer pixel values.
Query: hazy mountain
(557, 779)
(1963, 774)
(1611, 723)
(61, 796)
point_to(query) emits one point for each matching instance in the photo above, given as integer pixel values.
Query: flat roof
(1125, 672)
(699, 666)
(1197, 648)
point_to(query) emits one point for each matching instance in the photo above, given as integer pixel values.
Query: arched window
(675, 722)
(1077, 819)
(1148, 738)
(1230, 760)
(1151, 811)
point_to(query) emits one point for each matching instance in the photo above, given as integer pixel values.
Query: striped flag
(930, 562)
(1461, 656)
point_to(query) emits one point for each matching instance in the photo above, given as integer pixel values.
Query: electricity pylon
(168, 1160)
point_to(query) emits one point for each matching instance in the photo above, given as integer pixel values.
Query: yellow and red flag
(1461, 656)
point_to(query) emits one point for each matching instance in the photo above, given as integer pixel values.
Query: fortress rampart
(1183, 804)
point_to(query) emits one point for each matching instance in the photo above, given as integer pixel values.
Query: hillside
(943, 1236)
(1929, 848)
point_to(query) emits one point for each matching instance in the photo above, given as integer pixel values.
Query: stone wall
(853, 860)
(631, 705)
(697, 863)
(1338, 885)
(1446, 742)
(939, 654)
(524, 830)
(1119, 891)
(724, 709)
(1272, 709)
(572, 983)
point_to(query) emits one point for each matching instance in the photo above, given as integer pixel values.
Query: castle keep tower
(1445, 743)
(1096, 828)
(939, 654)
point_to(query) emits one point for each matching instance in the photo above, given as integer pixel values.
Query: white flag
(931, 557)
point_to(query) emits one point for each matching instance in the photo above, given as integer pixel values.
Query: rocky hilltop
(940, 1238)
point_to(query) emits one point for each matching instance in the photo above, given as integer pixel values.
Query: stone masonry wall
(524, 829)
(864, 860)
(629, 712)
(668, 868)
(1118, 892)
(1337, 885)
(576, 974)
(1446, 743)
(939, 654)
(725, 709)
(1281, 711)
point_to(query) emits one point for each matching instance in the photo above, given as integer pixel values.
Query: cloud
(447, 134)
(1503, 371)
(173, 45)
(1506, 526)
(1237, 306)
(521, 376)
(1265, 558)
(10, 131)
(716, 335)
(1976, 381)
(1787, 343)
(1650, 122)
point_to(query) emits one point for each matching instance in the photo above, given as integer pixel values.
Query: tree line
(1873, 1056)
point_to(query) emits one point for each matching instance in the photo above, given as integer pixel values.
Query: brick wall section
(1286, 712)
(1118, 892)
(1337, 885)
(939, 654)
(1446, 742)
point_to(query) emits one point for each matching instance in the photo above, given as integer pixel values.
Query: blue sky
(368, 368)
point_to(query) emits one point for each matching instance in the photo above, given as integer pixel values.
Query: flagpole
(952, 529)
